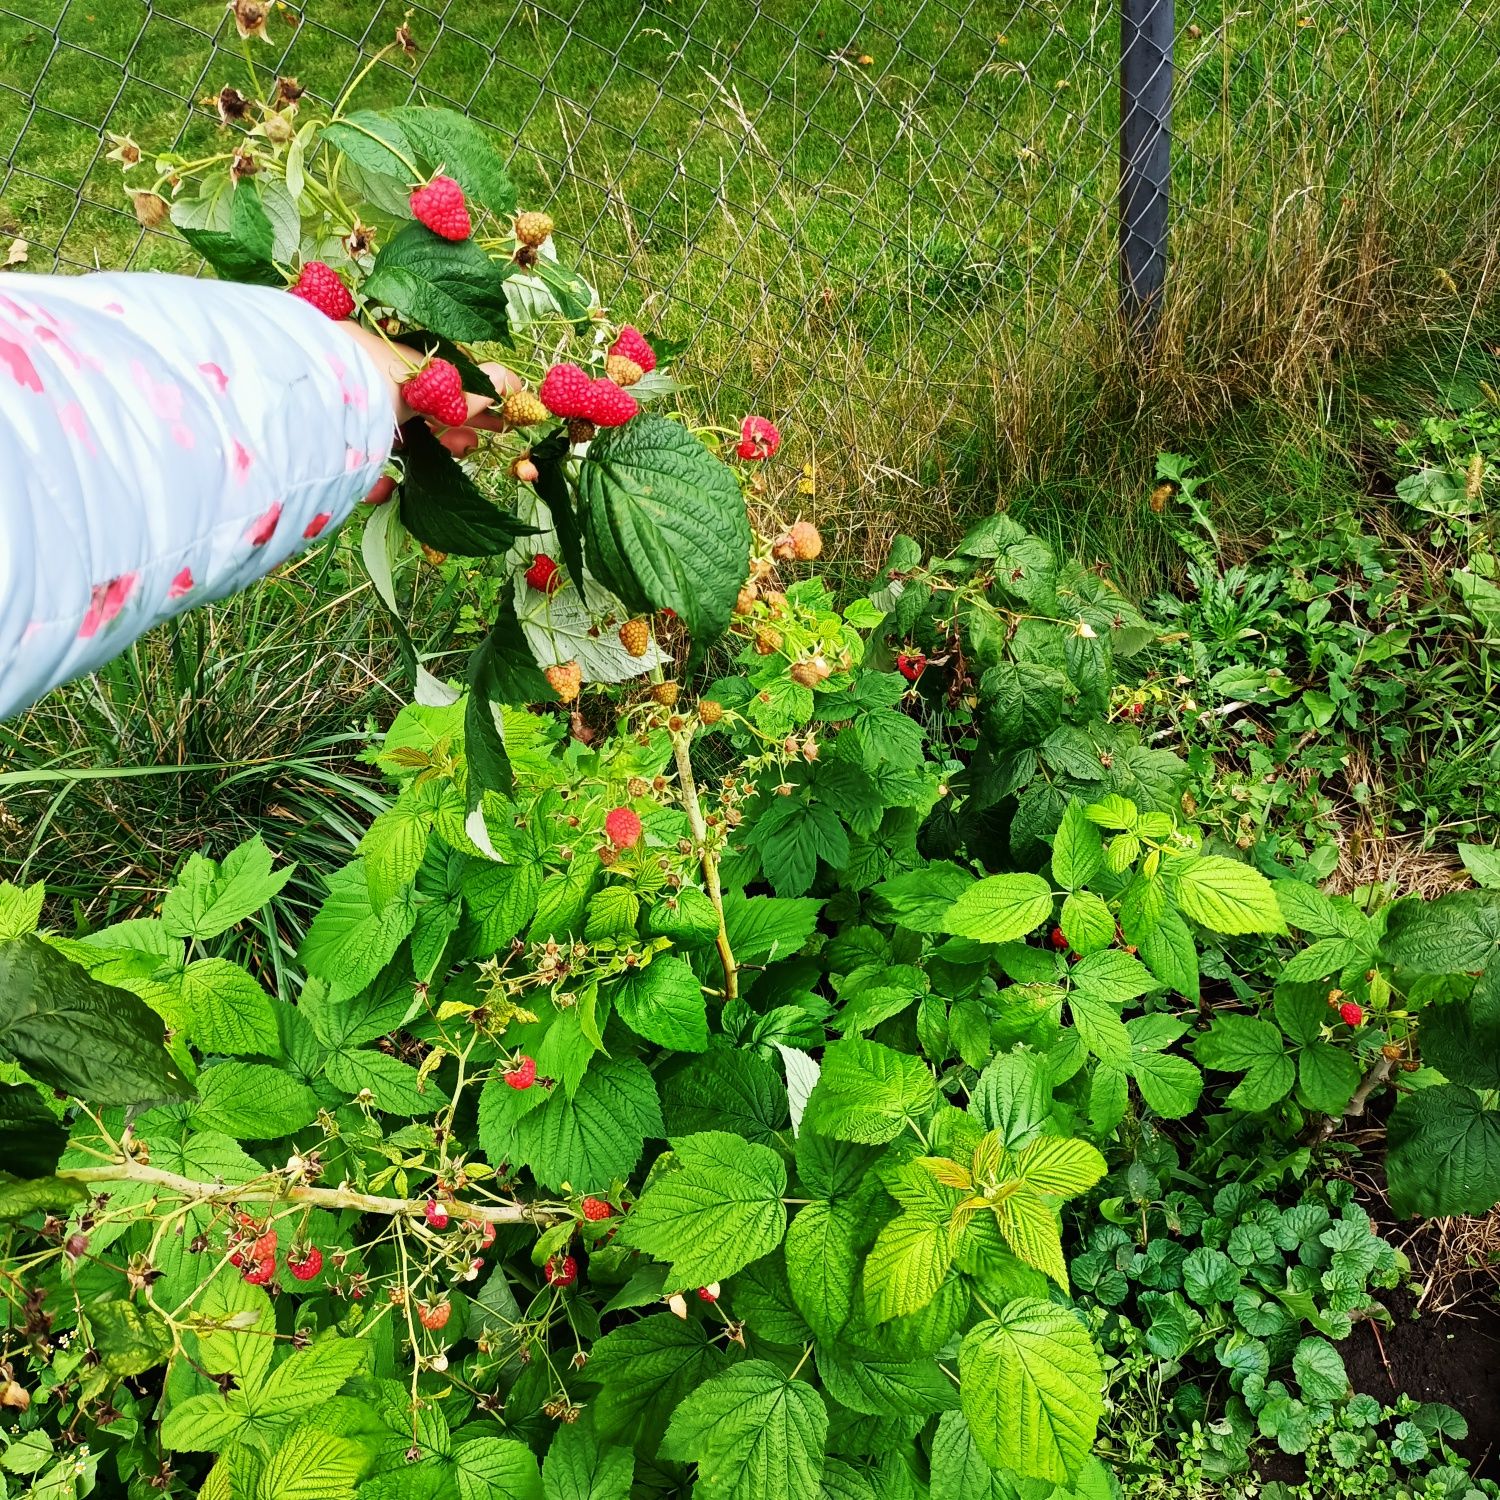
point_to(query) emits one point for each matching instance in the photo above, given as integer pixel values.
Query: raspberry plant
(699, 1080)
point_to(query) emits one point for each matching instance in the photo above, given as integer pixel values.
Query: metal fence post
(1145, 156)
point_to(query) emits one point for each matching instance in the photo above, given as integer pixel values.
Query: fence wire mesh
(890, 222)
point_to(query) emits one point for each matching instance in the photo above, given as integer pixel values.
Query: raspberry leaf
(241, 248)
(442, 506)
(718, 1211)
(451, 287)
(753, 1433)
(665, 524)
(1030, 1384)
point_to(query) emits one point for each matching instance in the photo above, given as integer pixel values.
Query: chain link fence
(891, 223)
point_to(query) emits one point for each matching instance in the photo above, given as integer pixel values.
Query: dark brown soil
(1451, 1359)
(1455, 1360)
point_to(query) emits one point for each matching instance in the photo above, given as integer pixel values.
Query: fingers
(459, 441)
(381, 491)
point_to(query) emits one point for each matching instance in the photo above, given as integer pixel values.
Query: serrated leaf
(822, 1264)
(208, 898)
(1087, 922)
(884, 1387)
(579, 1467)
(70, 1032)
(753, 1433)
(716, 1212)
(350, 940)
(908, 1263)
(664, 1003)
(867, 1092)
(1077, 850)
(664, 523)
(1320, 1371)
(1030, 1388)
(645, 1368)
(1000, 908)
(588, 1140)
(1227, 896)
(451, 287)
(225, 1010)
(252, 1102)
(1443, 1153)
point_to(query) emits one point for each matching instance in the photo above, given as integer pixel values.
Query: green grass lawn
(890, 224)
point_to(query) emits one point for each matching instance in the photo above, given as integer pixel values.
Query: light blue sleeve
(163, 442)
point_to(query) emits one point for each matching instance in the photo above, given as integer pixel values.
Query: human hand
(396, 362)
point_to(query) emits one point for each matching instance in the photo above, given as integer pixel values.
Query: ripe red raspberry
(561, 1270)
(566, 391)
(1058, 940)
(264, 1246)
(911, 667)
(709, 1293)
(308, 1266)
(543, 575)
(260, 1272)
(322, 287)
(487, 1234)
(595, 1209)
(609, 405)
(631, 345)
(441, 207)
(623, 828)
(1350, 1014)
(523, 1075)
(437, 390)
(434, 1314)
(435, 1214)
(759, 439)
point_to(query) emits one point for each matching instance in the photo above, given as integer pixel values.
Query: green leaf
(1113, 977)
(1077, 850)
(451, 287)
(867, 1093)
(252, 1102)
(1087, 922)
(1462, 1045)
(792, 836)
(665, 523)
(20, 1197)
(1209, 1276)
(647, 1367)
(908, 1263)
(959, 1470)
(1307, 908)
(443, 507)
(33, 1135)
(443, 140)
(492, 1468)
(1227, 896)
(129, 1340)
(1030, 1230)
(588, 1140)
(1012, 1096)
(1319, 960)
(243, 250)
(225, 1010)
(20, 908)
(70, 1032)
(754, 1434)
(1000, 908)
(1456, 934)
(312, 1463)
(209, 898)
(1327, 1078)
(310, 1376)
(501, 900)
(1239, 1043)
(1030, 1387)
(762, 928)
(1171, 954)
(1059, 1166)
(884, 1387)
(350, 940)
(1443, 1153)
(1320, 1371)
(1483, 863)
(727, 1088)
(665, 1004)
(579, 1467)
(822, 1262)
(718, 1211)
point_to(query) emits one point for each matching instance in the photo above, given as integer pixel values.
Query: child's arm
(164, 442)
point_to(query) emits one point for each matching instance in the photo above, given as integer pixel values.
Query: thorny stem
(272, 1191)
(1379, 1072)
(681, 753)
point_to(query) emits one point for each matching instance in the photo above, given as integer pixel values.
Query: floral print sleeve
(163, 442)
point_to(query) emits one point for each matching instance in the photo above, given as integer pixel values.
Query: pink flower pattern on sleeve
(202, 432)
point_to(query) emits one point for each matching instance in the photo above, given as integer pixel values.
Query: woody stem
(681, 752)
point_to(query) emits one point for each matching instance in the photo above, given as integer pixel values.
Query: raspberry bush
(753, 1016)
